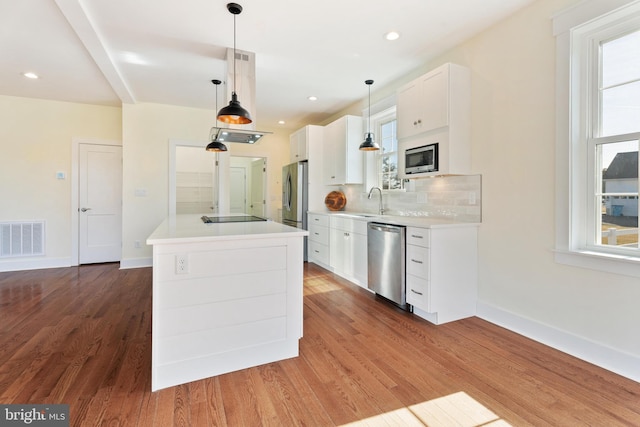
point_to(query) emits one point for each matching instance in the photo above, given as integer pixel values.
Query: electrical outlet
(136, 244)
(472, 198)
(182, 264)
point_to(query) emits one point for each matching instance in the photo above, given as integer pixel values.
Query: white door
(257, 188)
(100, 203)
(238, 196)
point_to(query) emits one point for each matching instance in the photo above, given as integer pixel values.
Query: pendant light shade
(215, 145)
(369, 143)
(234, 113)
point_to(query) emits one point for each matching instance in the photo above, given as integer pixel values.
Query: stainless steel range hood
(245, 80)
(245, 136)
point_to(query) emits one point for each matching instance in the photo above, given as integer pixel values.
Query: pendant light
(369, 144)
(234, 113)
(215, 145)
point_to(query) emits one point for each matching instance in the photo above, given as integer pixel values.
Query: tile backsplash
(456, 197)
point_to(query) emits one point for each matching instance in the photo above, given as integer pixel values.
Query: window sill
(617, 264)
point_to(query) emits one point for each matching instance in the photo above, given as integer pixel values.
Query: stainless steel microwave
(421, 159)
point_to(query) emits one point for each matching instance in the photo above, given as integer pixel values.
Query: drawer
(318, 234)
(418, 292)
(349, 224)
(418, 261)
(321, 220)
(318, 252)
(418, 236)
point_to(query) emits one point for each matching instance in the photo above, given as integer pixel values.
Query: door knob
(85, 209)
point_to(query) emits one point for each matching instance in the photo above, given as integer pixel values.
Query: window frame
(377, 121)
(579, 31)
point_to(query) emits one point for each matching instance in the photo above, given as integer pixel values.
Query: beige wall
(35, 143)
(147, 129)
(513, 138)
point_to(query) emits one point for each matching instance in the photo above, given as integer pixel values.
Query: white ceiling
(167, 51)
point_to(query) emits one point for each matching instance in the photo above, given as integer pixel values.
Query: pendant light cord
(234, 53)
(369, 125)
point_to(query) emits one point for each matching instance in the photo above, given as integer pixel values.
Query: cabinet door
(338, 245)
(333, 154)
(342, 158)
(434, 111)
(423, 104)
(408, 109)
(298, 150)
(359, 259)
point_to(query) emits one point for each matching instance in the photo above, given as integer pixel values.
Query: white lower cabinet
(348, 249)
(442, 271)
(318, 241)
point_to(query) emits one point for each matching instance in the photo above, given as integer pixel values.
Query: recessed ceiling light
(30, 75)
(281, 122)
(313, 98)
(392, 35)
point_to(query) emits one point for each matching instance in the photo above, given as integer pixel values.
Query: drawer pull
(416, 292)
(416, 261)
(317, 234)
(415, 236)
(316, 251)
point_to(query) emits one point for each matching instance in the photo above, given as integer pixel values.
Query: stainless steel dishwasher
(386, 262)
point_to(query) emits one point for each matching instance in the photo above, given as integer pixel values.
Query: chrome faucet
(379, 191)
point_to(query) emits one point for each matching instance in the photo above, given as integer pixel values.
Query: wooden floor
(82, 336)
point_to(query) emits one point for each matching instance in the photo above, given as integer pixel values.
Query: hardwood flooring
(82, 336)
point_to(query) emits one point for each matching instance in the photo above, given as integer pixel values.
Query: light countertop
(190, 228)
(409, 221)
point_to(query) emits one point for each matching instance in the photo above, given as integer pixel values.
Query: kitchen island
(226, 296)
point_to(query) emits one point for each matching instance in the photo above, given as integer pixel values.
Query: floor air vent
(21, 239)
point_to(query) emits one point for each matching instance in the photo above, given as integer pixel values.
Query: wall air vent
(21, 238)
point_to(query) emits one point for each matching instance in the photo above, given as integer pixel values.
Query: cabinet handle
(317, 234)
(416, 261)
(316, 251)
(316, 219)
(333, 177)
(416, 292)
(415, 236)
(346, 234)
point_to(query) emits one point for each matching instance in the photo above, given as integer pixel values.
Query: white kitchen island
(226, 297)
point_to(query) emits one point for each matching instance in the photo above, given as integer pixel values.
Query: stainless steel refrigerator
(295, 197)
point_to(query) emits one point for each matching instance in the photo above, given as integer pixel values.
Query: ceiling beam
(90, 38)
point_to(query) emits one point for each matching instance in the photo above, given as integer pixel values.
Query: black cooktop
(236, 218)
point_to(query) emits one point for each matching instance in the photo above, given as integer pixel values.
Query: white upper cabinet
(299, 145)
(436, 108)
(342, 158)
(423, 104)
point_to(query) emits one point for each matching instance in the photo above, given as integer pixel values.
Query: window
(385, 125)
(613, 140)
(598, 137)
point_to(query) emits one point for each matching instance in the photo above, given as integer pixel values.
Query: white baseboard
(33, 264)
(605, 357)
(136, 263)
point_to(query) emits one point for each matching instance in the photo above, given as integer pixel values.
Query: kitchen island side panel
(236, 304)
